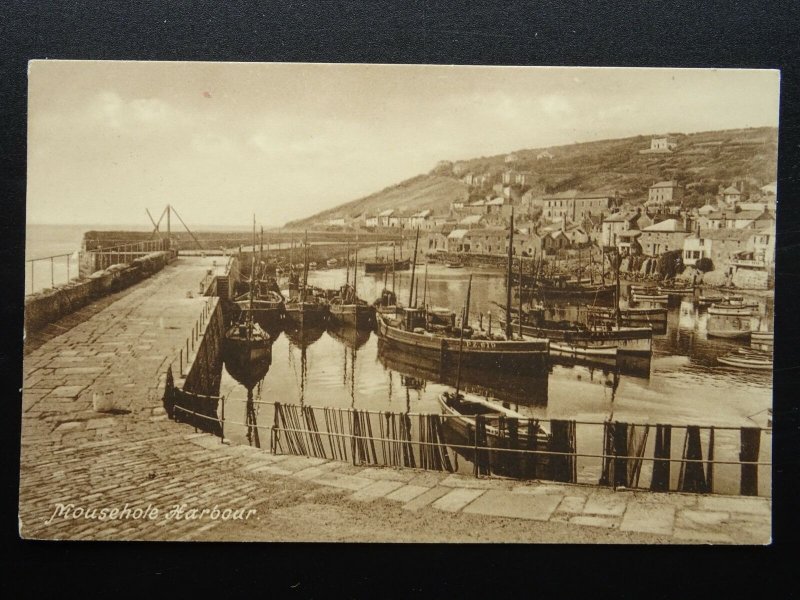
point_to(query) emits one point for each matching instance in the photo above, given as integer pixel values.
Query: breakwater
(50, 305)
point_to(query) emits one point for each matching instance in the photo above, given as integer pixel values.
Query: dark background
(744, 34)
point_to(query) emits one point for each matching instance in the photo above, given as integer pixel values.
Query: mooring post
(52, 275)
(180, 370)
(222, 419)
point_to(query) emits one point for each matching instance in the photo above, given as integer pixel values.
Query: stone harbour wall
(52, 304)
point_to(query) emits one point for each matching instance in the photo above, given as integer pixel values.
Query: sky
(223, 141)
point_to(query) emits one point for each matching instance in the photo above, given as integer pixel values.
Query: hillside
(702, 162)
(412, 195)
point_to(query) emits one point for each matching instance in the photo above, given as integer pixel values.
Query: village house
(437, 240)
(499, 206)
(511, 158)
(665, 192)
(471, 222)
(383, 217)
(763, 244)
(457, 241)
(544, 155)
(771, 189)
(663, 143)
(422, 219)
(370, 222)
(399, 221)
(740, 219)
(731, 196)
(615, 224)
(575, 205)
(719, 245)
(336, 222)
(662, 237)
(555, 242)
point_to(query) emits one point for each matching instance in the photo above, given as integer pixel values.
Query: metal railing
(57, 269)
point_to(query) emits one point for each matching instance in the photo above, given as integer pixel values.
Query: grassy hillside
(702, 162)
(412, 195)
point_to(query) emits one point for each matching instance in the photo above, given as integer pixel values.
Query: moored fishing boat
(747, 360)
(461, 428)
(355, 312)
(650, 297)
(247, 352)
(732, 307)
(411, 333)
(708, 300)
(729, 326)
(676, 289)
(309, 307)
(628, 317)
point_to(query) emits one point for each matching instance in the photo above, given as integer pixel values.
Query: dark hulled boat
(247, 352)
(356, 313)
(309, 306)
(412, 334)
(460, 428)
(381, 265)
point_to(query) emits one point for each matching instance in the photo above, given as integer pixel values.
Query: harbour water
(683, 384)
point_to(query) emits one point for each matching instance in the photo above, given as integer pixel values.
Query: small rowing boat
(747, 360)
(649, 297)
(732, 308)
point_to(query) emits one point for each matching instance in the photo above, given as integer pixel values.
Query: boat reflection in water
(349, 336)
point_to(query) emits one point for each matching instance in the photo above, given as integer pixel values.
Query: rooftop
(665, 184)
(666, 225)
(740, 235)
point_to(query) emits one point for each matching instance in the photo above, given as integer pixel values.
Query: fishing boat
(563, 288)
(246, 347)
(460, 429)
(649, 297)
(601, 316)
(676, 289)
(634, 288)
(708, 300)
(346, 308)
(732, 307)
(747, 360)
(380, 265)
(764, 340)
(308, 308)
(247, 352)
(729, 326)
(455, 264)
(434, 335)
(332, 262)
(578, 339)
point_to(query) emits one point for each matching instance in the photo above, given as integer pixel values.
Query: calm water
(683, 384)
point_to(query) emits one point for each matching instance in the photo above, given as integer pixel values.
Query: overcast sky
(222, 141)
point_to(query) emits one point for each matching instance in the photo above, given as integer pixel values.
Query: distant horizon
(289, 140)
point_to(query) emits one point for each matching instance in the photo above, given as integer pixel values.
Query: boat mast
(347, 267)
(509, 330)
(413, 269)
(461, 337)
(618, 261)
(252, 283)
(393, 262)
(425, 289)
(520, 298)
(305, 269)
(355, 274)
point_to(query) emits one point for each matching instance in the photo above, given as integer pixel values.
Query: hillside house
(663, 236)
(399, 221)
(771, 189)
(422, 219)
(511, 158)
(665, 192)
(545, 155)
(575, 205)
(458, 241)
(436, 241)
(663, 143)
(384, 216)
(731, 196)
(499, 206)
(336, 222)
(371, 221)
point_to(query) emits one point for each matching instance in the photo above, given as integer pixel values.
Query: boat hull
(362, 317)
(306, 317)
(762, 365)
(530, 355)
(380, 267)
(632, 341)
(459, 430)
(630, 317)
(247, 361)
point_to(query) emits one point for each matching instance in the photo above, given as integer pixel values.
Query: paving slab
(426, 498)
(648, 518)
(407, 493)
(377, 489)
(66, 391)
(604, 504)
(499, 503)
(749, 505)
(572, 504)
(707, 537)
(605, 522)
(701, 518)
(347, 482)
(457, 499)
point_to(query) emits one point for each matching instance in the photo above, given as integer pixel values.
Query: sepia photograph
(321, 302)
